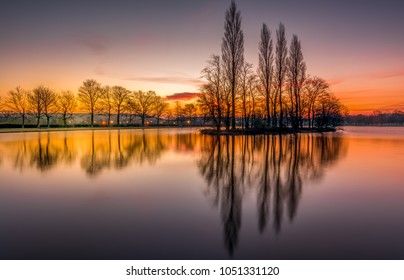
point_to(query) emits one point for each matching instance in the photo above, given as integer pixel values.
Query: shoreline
(61, 129)
(271, 131)
(203, 131)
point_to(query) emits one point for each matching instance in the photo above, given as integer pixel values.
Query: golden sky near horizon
(163, 46)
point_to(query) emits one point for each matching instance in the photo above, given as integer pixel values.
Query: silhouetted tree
(265, 67)
(35, 104)
(190, 112)
(246, 76)
(89, 95)
(255, 100)
(17, 102)
(160, 108)
(233, 53)
(179, 112)
(106, 103)
(296, 75)
(314, 88)
(212, 94)
(67, 103)
(142, 104)
(280, 67)
(49, 103)
(120, 98)
(329, 111)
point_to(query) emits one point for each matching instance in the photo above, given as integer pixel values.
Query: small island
(278, 97)
(269, 131)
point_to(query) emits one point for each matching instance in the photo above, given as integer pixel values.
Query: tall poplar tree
(233, 53)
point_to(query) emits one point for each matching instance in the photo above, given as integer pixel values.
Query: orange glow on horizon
(364, 95)
(360, 93)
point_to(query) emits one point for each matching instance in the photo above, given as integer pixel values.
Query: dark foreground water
(175, 194)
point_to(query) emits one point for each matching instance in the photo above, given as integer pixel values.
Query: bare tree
(179, 112)
(67, 103)
(296, 75)
(329, 111)
(190, 112)
(120, 97)
(142, 104)
(233, 53)
(253, 97)
(212, 97)
(265, 67)
(89, 95)
(280, 66)
(106, 103)
(169, 114)
(17, 102)
(313, 89)
(245, 80)
(35, 104)
(160, 108)
(49, 103)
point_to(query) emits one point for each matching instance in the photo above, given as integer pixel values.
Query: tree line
(43, 103)
(44, 106)
(277, 94)
(393, 118)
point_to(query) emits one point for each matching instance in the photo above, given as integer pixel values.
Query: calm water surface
(176, 194)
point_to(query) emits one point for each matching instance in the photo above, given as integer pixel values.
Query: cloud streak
(334, 82)
(99, 71)
(94, 44)
(386, 75)
(395, 106)
(168, 80)
(182, 96)
(393, 74)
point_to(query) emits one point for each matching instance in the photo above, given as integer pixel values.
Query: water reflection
(94, 150)
(270, 169)
(274, 167)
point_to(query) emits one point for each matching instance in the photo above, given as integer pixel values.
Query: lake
(176, 194)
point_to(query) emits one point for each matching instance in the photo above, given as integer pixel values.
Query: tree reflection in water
(96, 151)
(44, 155)
(118, 150)
(274, 166)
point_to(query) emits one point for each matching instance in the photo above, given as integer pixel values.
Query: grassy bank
(82, 128)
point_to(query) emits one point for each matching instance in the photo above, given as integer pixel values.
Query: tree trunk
(228, 118)
(233, 104)
(219, 118)
(92, 118)
(280, 108)
(23, 121)
(268, 109)
(117, 117)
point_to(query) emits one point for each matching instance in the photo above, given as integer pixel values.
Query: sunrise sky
(163, 45)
